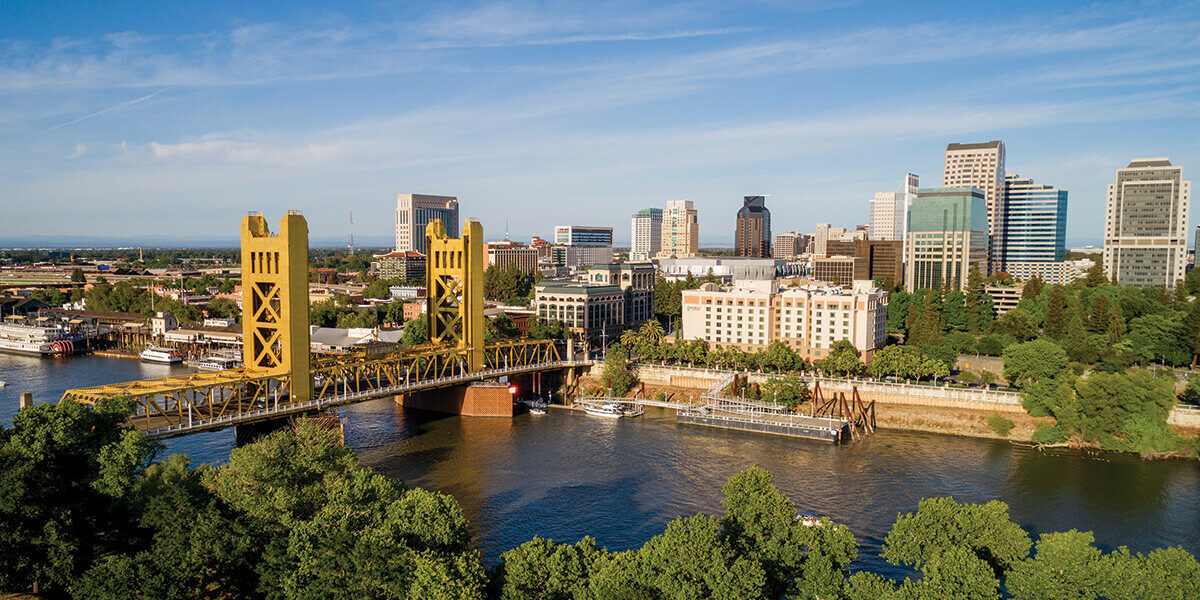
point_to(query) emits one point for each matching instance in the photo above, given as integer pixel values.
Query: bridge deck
(263, 409)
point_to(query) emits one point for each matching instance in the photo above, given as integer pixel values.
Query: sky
(137, 119)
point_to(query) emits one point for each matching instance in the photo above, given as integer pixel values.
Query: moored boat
(167, 356)
(611, 410)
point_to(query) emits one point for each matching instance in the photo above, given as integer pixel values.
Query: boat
(3, 383)
(167, 356)
(634, 411)
(37, 340)
(611, 410)
(536, 407)
(219, 361)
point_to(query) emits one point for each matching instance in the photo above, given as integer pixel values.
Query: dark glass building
(753, 234)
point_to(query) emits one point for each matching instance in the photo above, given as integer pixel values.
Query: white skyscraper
(888, 214)
(1145, 226)
(646, 240)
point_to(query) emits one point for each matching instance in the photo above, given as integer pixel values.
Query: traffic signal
(512, 389)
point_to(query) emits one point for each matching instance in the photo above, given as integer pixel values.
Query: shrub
(1049, 434)
(1000, 424)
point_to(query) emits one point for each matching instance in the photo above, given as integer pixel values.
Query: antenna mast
(351, 203)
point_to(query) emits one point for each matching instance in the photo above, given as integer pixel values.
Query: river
(564, 475)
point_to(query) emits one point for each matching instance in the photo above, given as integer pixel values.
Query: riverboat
(219, 361)
(37, 340)
(166, 356)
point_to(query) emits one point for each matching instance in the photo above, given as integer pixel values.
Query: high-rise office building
(583, 235)
(581, 245)
(680, 230)
(415, 211)
(824, 233)
(882, 260)
(1145, 226)
(981, 166)
(753, 234)
(789, 245)
(1035, 222)
(646, 240)
(889, 210)
(947, 233)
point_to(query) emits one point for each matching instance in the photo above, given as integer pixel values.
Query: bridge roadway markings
(222, 422)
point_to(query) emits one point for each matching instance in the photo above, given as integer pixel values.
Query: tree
(1095, 275)
(1158, 335)
(973, 299)
(540, 569)
(67, 477)
(1126, 411)
(1189, 333)
(416, 331)
(987, 378)
(617, 377)
(791, 390)
(1066, 566)
(223, 308)
(1018, 323)
(1032, 288)
(1055, 325)
(1033, 361)
(77, 276)
(501, 327)
(956, 312)
(941, 523)
(541, 329)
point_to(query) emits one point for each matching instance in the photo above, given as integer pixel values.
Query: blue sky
(118, 118)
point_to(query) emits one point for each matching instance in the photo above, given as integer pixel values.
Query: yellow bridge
(280, 378)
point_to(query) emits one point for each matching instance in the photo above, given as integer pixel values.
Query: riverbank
(901, 410)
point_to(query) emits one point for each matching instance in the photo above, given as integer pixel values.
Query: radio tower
(351, 203)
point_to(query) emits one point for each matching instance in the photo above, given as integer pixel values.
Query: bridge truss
(207, 401)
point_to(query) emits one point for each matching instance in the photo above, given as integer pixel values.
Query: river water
(564, 475)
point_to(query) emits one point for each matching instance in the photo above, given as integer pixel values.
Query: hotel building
(809, 319)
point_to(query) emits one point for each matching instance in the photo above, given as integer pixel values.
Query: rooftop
(975, 146)
(1138, 163)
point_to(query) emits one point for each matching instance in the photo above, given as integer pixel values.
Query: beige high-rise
(680, 230)
(1145, 226)
(981, 166)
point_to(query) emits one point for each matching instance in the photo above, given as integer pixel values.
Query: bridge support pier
(476, 400)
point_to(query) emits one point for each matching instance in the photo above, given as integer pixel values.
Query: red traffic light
(512, 389)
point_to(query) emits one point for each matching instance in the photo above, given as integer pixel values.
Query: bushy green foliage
(617, 377)
(1001, 424)
(1032, 362)
(508, 284)
(1049, 434)
(790, 390)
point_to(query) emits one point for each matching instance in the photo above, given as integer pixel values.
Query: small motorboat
(3, 383)
(611, 410)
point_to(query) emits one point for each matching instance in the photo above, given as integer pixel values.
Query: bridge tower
(275, 332)
(454, 282)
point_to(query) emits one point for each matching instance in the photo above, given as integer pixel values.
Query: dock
(834, 420)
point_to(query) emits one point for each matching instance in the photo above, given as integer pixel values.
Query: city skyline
(562, 114)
